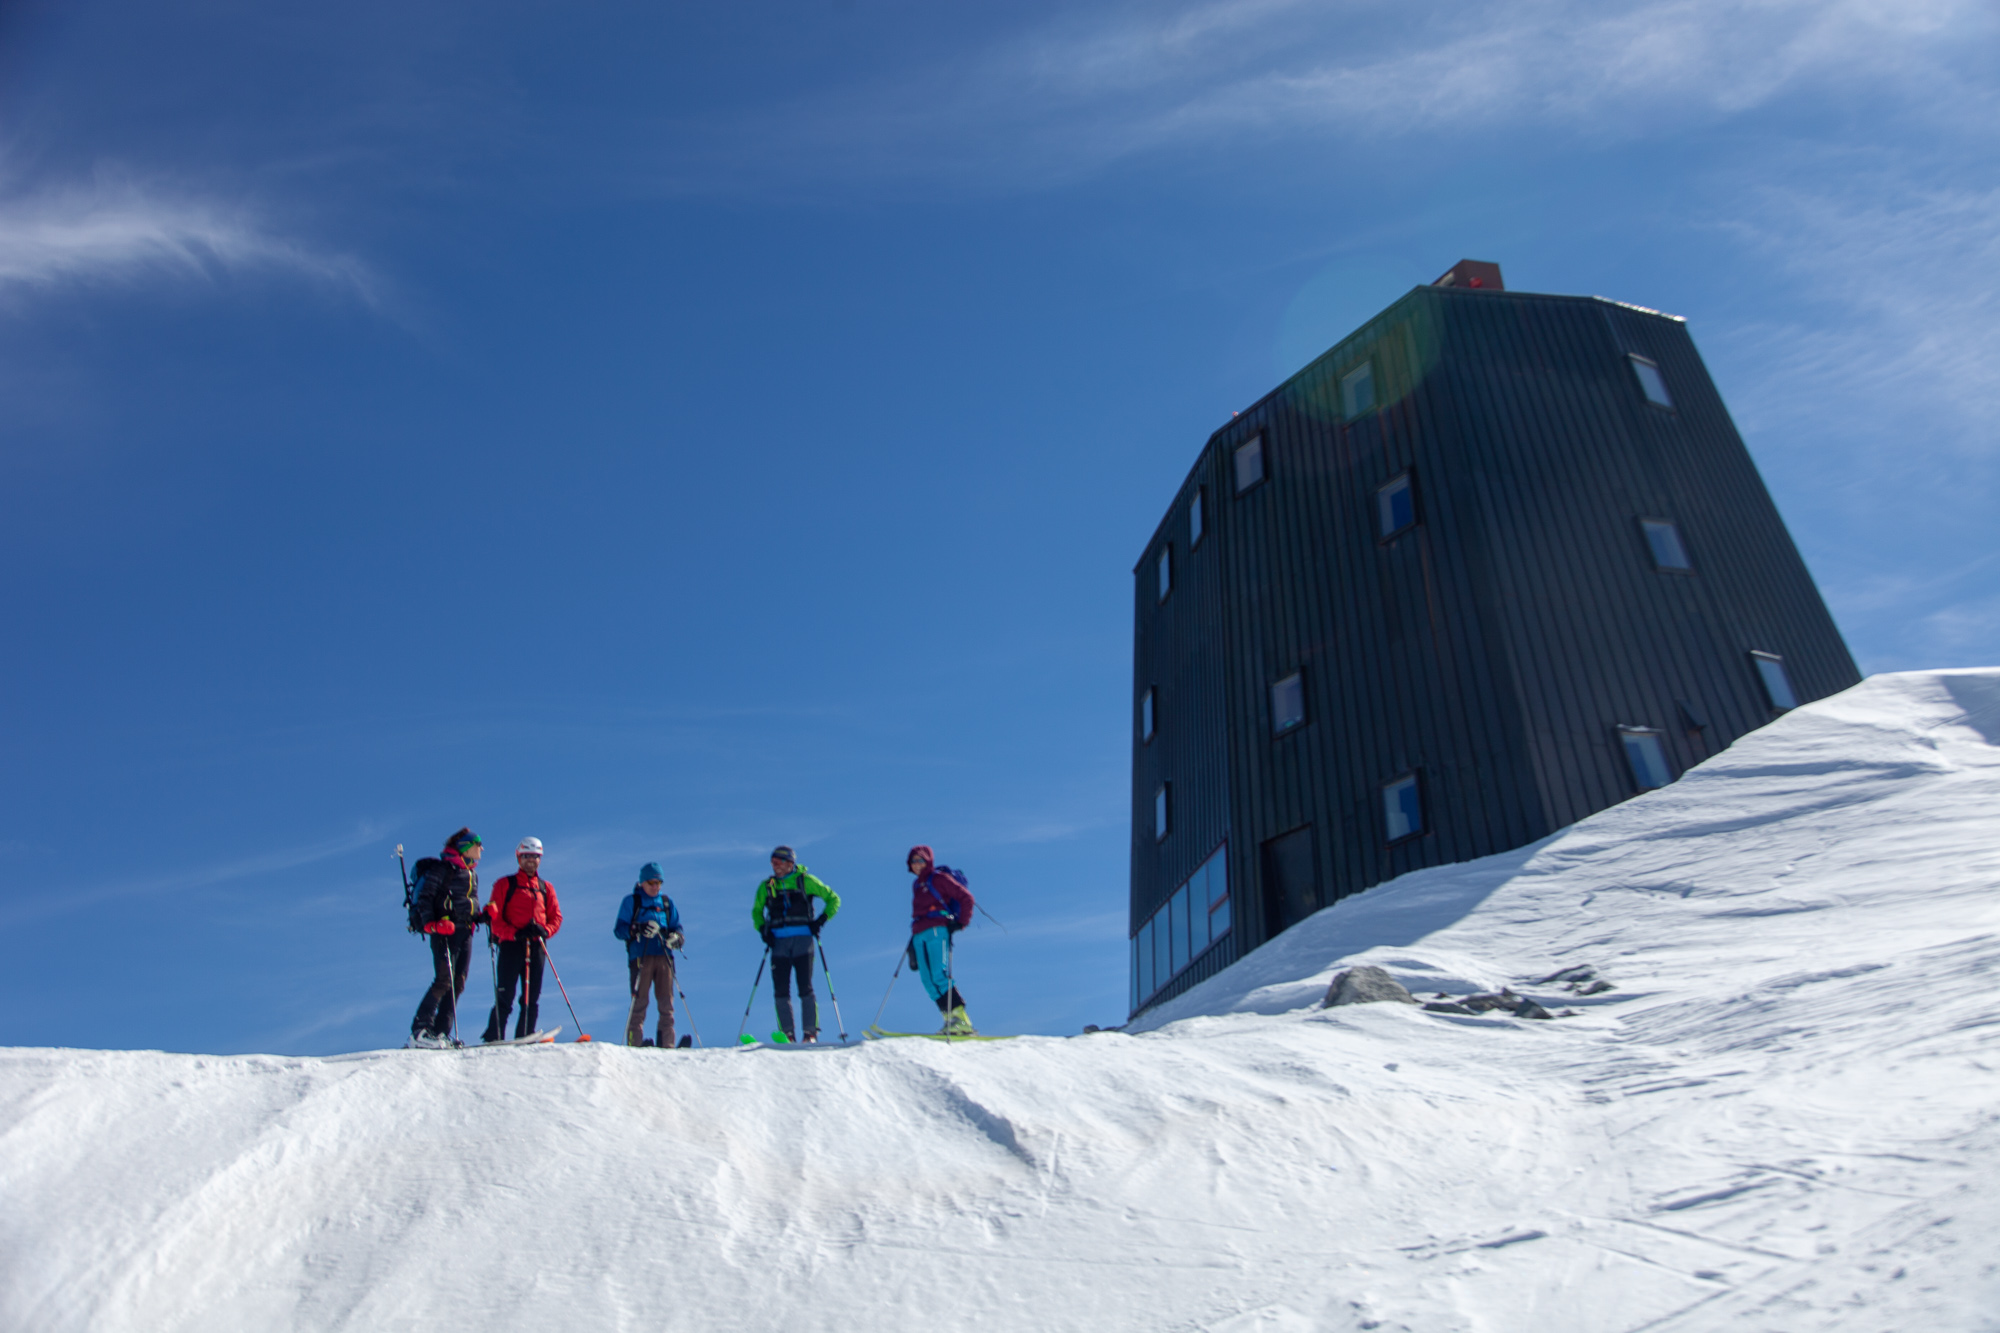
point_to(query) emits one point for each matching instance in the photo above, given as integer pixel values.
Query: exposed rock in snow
(1367, 984)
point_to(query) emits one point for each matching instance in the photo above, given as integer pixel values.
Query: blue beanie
(650, 871)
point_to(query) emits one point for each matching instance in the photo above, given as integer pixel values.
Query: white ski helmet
(529, 847)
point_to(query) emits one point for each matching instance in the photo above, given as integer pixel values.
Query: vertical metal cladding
(1494, 646)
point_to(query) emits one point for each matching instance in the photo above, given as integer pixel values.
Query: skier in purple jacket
(940, 906)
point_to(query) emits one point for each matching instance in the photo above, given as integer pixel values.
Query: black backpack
(415, 887)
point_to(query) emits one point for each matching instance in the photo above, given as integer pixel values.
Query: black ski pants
(520, 962)
(788, 960)
(437, 1013)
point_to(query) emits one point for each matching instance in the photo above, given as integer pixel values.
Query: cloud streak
(1078, 95)
(110, 232)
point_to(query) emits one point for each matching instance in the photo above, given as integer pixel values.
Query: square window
(1647, 757)
(1160, 813)
(1777, 685)
(1146, 714)
(1650, 382)
(1288, 703)
(1195, 528)
(1396, 505)
(1403, 808)
(1249, 463)
(1665, 540)
(1165, 566)
(1357, 390)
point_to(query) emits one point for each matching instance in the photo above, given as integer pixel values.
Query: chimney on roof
(1473, 273)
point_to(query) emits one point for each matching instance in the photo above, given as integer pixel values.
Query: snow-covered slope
(1786, 1116)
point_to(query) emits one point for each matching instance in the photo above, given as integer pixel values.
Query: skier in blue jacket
(650, 925)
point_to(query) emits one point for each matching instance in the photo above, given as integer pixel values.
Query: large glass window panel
(1163, 963)
(1665, 540)
(1218, 894)
(1403, 808)
(1177, 914)
(1357, 390)
(1777, 684)
(1647, 757)
(1650, 382)
(1249, 463)
(1144, 954)
(1132, 1005)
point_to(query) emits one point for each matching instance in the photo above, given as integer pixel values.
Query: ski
(541, 1038)
(883, 1034)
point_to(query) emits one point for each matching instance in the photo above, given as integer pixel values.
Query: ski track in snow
(1783, 1118)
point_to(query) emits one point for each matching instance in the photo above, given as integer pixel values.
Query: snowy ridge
(1783, 1117)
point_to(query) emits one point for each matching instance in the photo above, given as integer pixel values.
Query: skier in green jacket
(784, 917)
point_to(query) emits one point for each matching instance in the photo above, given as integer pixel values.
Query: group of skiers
(523, 914)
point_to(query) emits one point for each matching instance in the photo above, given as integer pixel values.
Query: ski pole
(753, 992)
(451, 975)
(581, 1035)
(885, 994)
(687, 1008)
(831, 993)
(990, 917)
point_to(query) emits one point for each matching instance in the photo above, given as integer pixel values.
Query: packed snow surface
(1783, 1117)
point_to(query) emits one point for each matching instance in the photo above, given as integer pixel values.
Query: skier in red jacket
(522, 913)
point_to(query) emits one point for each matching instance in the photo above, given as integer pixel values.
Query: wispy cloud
(1914, 271)
(1078, 94)
(111, 231)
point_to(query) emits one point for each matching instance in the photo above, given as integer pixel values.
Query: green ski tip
(747, 1039)
(780, 1039)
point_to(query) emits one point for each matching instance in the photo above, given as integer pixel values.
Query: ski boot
(956, 1024)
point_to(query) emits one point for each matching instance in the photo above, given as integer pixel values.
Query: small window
(1288, 703)
(1195, 528)
(1403, 808)
(1647, 757)
(1396, 505)
(1165, 566)
(1777, 685)
(1160, 814)
(1249, 463)
(1146, 713)
(1650, 382)
(1665, 540)
(1357, 390)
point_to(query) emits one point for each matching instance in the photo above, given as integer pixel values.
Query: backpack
(414, 888)
(964, 882)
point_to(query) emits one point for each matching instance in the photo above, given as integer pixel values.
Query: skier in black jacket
(448, 907)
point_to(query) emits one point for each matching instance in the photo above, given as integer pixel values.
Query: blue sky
(672, 430)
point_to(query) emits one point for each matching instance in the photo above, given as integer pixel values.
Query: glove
(650, 930)
(815, 924)
(440, 928)
(533, 932)
(676, 940)
(770, 940)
